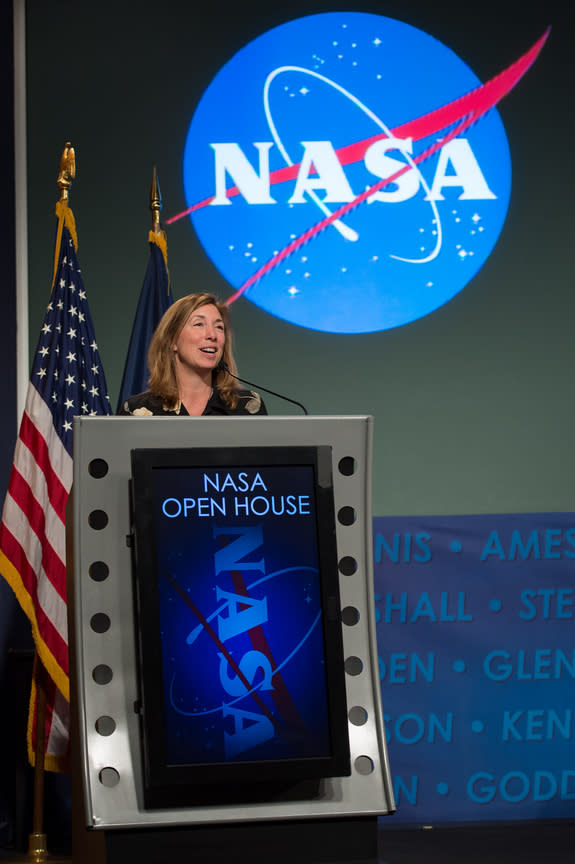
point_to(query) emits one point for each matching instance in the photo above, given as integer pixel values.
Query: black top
(147, 404)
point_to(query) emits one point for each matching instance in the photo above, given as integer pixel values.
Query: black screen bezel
(175, 785)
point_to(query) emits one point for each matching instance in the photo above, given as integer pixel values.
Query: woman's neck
(194, 391)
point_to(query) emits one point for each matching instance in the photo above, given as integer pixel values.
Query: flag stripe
(26, 474)
(14, 579)
(52, 560)
(57, 725)
(58, 735)
(50, 609)
(50, 455)
(51, 647)
(40, 414)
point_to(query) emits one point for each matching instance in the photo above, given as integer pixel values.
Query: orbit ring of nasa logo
(338, 180)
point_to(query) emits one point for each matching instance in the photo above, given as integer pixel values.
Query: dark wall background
(473, 404)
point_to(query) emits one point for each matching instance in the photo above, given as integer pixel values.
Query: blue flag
(155, 298)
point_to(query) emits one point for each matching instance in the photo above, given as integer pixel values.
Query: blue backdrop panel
(476, 645)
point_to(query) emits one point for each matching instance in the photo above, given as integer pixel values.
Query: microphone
(257, 386)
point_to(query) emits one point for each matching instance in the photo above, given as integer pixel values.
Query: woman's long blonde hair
(161, 362)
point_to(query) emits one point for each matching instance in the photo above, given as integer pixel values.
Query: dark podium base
(314, 841)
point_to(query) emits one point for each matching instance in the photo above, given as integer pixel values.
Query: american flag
(67, 379)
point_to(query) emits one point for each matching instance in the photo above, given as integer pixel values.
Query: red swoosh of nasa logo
(465, 111)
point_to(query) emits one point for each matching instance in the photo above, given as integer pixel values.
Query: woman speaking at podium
(192, 367)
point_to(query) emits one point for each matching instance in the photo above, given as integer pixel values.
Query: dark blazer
(147, 404)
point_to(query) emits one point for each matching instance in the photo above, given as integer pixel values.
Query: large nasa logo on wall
(344, 172)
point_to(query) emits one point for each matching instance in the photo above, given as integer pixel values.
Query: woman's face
(200, 345)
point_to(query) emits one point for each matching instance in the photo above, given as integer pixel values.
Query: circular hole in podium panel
(98, 519)
(109, 777)
(346, 516)
(98, 571)
(98, 468)
(350, 615)
(347, 466)
(102, 674)
(347, 565)
(100, 622)
(364, 765)
(105, 725)
(357, 716)
(353, 665)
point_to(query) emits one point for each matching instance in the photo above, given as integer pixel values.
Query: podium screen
(240, 650)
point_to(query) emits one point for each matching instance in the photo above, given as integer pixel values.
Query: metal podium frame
(106, 659)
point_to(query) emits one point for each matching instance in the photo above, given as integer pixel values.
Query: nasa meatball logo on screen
(241, 629)
(344, 171)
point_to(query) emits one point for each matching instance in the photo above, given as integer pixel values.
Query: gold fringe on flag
(161, 243)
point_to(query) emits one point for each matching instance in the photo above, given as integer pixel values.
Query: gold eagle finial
(67, 171)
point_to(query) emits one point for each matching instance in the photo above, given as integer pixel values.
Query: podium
(186, 737)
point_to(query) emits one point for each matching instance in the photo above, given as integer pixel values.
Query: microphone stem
(259, 387)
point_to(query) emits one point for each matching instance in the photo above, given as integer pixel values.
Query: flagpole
(66, 174)
(37, 839)
(37, 846)
(155, 298)
(155, 202)
(157, 234)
